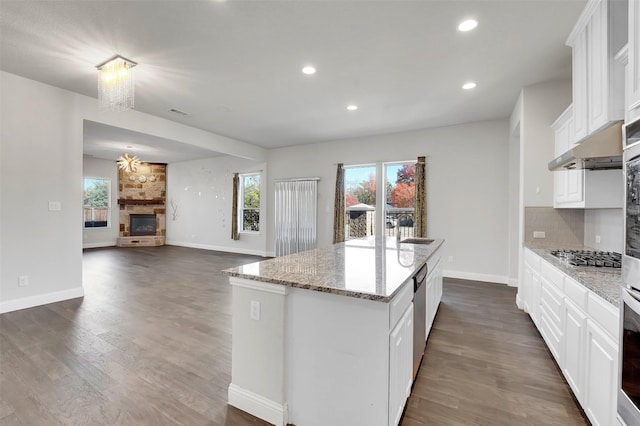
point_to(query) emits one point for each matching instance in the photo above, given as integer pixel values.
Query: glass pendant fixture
(116, 84)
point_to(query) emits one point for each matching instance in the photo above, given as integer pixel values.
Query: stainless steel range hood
(600, 151)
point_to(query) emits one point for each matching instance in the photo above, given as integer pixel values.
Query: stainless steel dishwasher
(419, 316)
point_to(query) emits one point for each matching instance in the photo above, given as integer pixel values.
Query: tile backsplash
(562, 227)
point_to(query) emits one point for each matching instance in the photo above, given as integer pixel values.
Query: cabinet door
(598, 68)
(633, 81)
(601, 377)
(560, 187)
(575, 332)
(579, 58)
(400, 365)
(575, 186)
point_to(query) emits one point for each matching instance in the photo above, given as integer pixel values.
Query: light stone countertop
(605, 282)
(367, 268)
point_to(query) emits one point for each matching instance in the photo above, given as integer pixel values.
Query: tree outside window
(250, 202)
(96, 202)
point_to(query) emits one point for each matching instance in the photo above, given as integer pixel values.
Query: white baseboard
(98, 245)
(499, 279)
(259, 406)
(217, 248)
(513, 282)
(41, 299)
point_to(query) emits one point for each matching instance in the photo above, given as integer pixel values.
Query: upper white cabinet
(633, 67)
(582, 188)
(598, 79)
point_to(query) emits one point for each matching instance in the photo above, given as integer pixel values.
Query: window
(250, 203)
(363, 210)
(360, 201)
(96, 202)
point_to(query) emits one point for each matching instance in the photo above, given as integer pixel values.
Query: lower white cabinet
(400, 365)
(434, 295)
(580, 329)
(529, 292)
(601, 378)
(575, 326)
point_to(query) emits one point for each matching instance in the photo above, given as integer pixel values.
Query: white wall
(467, 187)
(105, 169)
(541, 105)
(608, 224)
(43, 125)
(41, 161)
(202, 192)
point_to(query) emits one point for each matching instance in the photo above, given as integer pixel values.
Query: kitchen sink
(416, 241)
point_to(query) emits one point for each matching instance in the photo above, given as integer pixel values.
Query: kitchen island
(326, 336)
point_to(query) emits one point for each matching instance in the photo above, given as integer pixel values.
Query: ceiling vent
(179, 112)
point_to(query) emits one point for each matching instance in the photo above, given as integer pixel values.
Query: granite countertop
(605, 282)
(370, 268)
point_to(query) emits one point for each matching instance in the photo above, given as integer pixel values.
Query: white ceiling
(235, 65)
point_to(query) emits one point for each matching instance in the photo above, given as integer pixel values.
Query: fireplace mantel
(130, 202)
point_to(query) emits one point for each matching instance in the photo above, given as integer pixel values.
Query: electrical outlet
(539, 234)
(597, 239)
(255, 310)
(23, 280)
(55, 206)
(450, 259)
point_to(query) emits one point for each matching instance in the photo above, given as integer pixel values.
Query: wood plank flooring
(150, 344)
(486, 364)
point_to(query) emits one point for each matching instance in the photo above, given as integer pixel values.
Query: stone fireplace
(142, 198)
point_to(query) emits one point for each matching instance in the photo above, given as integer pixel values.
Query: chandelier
(128, 164)
(116, 84)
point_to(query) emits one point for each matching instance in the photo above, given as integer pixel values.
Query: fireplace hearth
(142, 224)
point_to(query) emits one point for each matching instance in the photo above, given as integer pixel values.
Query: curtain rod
(296, 179)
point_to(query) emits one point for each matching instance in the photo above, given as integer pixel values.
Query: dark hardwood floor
(150, 344)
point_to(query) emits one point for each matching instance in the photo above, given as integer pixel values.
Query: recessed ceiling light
(309, 70)
(468, 86)
(467, 25)
(352, 107)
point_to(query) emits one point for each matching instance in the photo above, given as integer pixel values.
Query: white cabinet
(434, 294)
(400, 365)
(601, 376)
(575, 325)
(598, 80)
(568, 184)
(530, 290)
(633, 67)
(580, 329)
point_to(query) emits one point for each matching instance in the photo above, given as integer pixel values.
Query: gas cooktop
(596, 258)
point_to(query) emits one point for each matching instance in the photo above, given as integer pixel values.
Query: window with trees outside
(366, 214)
(250, 203)
(96, 202)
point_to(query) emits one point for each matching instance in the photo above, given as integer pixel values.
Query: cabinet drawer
(576, 292)
(399, 304)
(551, 333)
(551, 299)
(604, 314)
(552, 274)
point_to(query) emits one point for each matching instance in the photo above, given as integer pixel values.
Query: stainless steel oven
(629, 377)
(631, 253)
(629, 383)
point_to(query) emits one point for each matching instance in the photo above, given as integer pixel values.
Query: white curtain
(296, 216)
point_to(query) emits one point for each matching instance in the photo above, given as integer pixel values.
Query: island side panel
(337, 359)
(258, 383)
